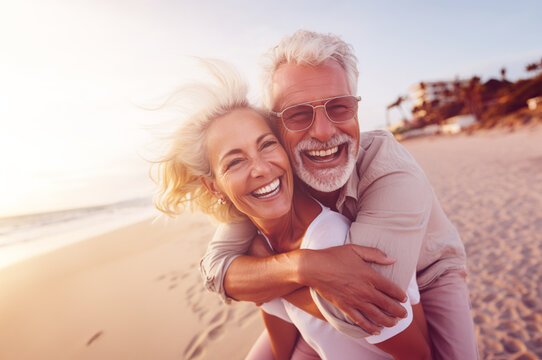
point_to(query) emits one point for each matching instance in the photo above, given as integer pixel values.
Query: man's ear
(210, 184)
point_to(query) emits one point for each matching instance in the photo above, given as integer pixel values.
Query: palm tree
(532, 67)
(503, 74)
(396, 104)
(472, 96)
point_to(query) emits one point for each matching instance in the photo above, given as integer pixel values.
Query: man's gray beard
(329, 179)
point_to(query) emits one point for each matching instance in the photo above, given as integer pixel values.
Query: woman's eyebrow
(238, 151)
(261, 137)
(231, 152)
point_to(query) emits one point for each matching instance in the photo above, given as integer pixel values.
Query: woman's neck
(286, 233)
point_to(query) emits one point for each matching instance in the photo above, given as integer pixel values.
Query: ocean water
(25, 236)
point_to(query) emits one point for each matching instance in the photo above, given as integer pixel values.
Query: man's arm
(393, 216)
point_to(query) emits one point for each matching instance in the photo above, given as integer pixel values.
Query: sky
(75, 74)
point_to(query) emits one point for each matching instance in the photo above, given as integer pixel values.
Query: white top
(327, 230)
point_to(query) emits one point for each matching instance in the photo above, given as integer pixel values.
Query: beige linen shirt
(392, 207)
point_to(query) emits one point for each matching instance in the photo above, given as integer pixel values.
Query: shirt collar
(350, 189)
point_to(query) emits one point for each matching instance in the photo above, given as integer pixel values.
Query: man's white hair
(308, 48)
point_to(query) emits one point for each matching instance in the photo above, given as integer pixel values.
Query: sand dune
(136, 293)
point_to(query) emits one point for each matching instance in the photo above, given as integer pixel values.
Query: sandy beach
(490, 185)
(136, 293)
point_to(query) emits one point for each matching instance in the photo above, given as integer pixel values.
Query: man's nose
(322, 128)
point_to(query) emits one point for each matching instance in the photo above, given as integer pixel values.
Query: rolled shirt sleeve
(331, 229)
(393, 216)
(229, 242)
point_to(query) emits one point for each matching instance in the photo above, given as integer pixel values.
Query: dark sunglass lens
(298, 117)
(342, 109)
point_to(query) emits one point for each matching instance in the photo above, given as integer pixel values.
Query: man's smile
(325, 155)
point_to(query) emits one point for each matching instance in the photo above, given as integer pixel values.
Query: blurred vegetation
(493, 103)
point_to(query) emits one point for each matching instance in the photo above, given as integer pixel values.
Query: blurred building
(434, 93)
(534, 103)
(457, 123)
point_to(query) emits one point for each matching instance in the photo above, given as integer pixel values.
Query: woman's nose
(260, 167)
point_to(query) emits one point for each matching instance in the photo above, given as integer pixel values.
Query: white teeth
(327, 152)
(268, 188)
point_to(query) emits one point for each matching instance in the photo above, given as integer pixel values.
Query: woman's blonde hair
(177, 173)
(308, 48)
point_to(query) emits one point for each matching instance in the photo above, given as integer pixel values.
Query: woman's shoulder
(328, 229)
(328, 216)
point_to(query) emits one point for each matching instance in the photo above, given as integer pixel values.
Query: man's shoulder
(373, 140)
(381, 154)
(380, 145)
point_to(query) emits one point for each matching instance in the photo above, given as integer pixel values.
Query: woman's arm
(411, 343)
(283, 336)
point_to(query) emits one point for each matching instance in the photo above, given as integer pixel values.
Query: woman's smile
(267, 191)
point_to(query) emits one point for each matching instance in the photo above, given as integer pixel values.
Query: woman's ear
(210, 184)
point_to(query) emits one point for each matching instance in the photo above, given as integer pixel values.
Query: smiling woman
(225, 160)
(252, 171)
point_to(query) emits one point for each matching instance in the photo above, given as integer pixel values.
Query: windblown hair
(177, 173)
(309, 48)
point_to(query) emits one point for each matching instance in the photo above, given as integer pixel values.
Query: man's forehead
(293, 83)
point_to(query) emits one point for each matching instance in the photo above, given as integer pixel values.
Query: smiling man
(323, 143)
(310, 91)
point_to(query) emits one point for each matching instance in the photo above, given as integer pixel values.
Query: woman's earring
(221, 201)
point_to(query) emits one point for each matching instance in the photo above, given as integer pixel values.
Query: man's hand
(343, 277)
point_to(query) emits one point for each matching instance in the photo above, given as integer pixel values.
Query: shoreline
(24, 237)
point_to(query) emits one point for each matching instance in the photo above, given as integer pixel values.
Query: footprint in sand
(216, 325)
(194, 295)
(245, 317)
(172, 278)
(194, 349)
(94, 337)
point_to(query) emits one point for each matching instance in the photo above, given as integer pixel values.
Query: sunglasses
(301, 116)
